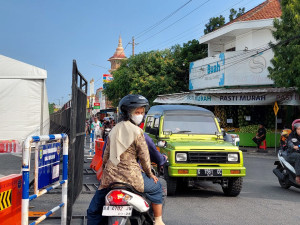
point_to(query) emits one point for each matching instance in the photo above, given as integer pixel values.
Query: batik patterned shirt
(128, 170)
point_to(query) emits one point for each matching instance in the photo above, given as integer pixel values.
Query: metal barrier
(71, 120)
(47, 152)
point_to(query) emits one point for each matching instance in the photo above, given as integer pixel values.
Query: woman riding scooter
(126, 144)
(293, 151)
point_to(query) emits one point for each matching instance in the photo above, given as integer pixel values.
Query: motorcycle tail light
(118, 197)
(146, 203)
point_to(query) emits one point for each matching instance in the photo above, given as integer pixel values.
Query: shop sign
(229, 120)
(96, 105)
(275, 108)
(239, 68)
(48, 164)
(230, 99)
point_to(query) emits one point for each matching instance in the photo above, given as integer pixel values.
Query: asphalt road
(262, 200)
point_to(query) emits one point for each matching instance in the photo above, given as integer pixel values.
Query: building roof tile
(266, 10)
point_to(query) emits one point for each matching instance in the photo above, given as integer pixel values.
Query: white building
(235, 71)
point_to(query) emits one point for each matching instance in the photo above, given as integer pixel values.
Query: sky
(50, 34)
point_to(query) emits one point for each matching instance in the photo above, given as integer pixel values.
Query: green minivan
(197, 150)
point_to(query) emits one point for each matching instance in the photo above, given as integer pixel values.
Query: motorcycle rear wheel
(284, 183)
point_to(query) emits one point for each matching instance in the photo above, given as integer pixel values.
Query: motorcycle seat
(283, 159)
(283, 154)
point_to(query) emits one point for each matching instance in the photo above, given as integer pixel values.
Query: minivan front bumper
(207, 171)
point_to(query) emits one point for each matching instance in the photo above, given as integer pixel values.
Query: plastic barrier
(263, 145)
(46, 173)
(97, 159)
(9, 146)
(10, 199)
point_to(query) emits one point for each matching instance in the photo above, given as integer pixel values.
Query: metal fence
(71, 120)
(46, 173)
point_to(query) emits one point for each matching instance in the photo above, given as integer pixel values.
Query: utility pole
(133, 44)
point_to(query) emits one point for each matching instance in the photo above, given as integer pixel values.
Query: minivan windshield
(190, 124)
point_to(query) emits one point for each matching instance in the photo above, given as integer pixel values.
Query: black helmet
(131, 102)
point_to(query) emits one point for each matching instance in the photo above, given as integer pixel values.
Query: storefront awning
(233, 96)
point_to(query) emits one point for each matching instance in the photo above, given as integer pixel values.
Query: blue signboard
(48, 164)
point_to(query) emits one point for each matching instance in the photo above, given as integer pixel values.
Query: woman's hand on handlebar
(154, 178)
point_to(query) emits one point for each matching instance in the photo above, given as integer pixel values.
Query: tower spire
(118, 56)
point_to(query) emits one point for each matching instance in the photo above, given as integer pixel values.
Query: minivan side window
(149, 123)
(156, 123)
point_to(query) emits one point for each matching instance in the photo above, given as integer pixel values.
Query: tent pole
(42, 108)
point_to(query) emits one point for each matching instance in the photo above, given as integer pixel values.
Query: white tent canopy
(23, 100)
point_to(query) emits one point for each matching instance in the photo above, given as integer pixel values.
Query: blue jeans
(152, 190)
(94, 212)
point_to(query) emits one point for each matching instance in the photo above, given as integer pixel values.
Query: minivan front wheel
(234, 186)
(171, 183)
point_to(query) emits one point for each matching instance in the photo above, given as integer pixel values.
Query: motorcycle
(284, 171)
(125, 206)
(106, 132)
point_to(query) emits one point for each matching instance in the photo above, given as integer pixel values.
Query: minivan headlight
(233, 157)
(181, 157)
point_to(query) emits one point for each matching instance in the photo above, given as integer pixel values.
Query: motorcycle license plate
(209, 173)
(117, 210)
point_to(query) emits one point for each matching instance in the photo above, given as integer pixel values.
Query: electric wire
(161, 21)
(106, 68)
(196, 26)
(175, 21)
(270, 47)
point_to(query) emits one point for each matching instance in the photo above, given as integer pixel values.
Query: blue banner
(48, 164)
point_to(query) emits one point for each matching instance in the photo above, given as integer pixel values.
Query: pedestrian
(87, 127)
(96, 127)
(260, 135)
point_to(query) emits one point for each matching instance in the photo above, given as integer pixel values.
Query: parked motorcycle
(124, 206)
(284, 171)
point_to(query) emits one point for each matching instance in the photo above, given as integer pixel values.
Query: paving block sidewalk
(262, 152)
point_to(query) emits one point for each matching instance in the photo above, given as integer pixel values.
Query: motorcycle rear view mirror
(161, 144)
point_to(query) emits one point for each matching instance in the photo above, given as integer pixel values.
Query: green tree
(234, 14)
(286, 61)
(214, 23)
(51, 107)
(148, 73)
(189, 52)
(155, 72)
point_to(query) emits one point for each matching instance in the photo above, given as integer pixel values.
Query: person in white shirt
(96, 126)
